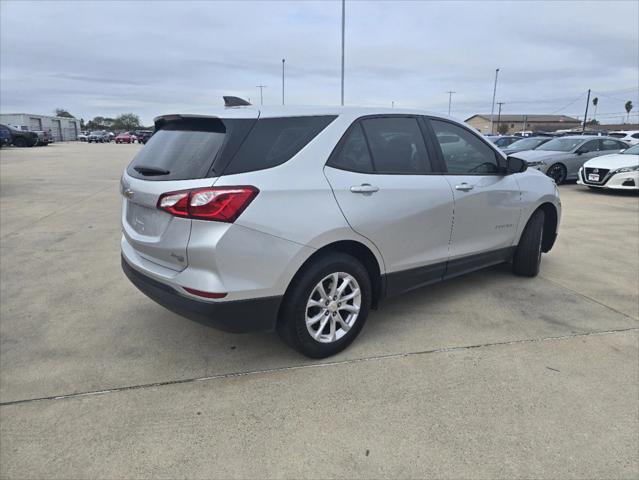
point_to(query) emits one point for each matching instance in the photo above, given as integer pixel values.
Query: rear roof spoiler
(234, 102)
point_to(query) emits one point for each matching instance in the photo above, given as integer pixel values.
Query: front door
(388, 188)
(487, 202)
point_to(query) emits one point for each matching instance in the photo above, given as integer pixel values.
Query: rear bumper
(239, 316)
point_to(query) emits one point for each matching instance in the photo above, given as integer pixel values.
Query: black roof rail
(234, 102)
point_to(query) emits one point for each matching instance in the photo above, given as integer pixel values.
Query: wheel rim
(333, 307)
(556, 172)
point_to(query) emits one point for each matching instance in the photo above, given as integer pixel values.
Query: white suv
(301, 220)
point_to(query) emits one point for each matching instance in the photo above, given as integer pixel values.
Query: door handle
(464, 187)
(364, 188)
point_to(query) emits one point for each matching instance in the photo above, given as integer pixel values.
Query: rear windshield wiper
(142, 170)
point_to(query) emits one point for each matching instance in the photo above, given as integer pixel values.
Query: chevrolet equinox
(301, 220)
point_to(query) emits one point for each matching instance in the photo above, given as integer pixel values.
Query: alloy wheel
(333, 307)
(557, 173)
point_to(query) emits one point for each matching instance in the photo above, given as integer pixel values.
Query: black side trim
(464, 265)
(405, 280)
(259, 314)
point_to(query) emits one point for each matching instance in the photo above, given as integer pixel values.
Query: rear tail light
(221, 204)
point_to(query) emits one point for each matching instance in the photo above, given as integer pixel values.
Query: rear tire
(527, 256)
(333, 320)
(20, 142)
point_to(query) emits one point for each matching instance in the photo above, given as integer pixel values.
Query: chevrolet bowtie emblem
(128, 193)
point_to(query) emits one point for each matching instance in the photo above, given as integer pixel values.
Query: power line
(569, 104)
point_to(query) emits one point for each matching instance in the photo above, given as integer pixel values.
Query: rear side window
(273, 141)
(611, 145)
(617, 135)
(353, 155)
(181, 150)
(397, 145)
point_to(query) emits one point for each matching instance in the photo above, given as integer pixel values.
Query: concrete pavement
(448, 381)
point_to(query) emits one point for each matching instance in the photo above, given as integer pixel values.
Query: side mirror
(579, 151)
(515, 165)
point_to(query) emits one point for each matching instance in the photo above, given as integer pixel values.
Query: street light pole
(450, 99)
(343, 28)
(283, 61)
(492, 110)
(583, 129)
(261, 95)
(499, 115)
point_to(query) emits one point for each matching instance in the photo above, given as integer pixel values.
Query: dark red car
(125, 137)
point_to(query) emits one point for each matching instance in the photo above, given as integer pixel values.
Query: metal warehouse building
(63, 129)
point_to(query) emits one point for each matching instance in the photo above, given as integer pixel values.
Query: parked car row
(103, 136)
(573, 158)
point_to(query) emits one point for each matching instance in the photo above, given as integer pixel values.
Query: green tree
(628, 108)
(503, 129)
(126, 121)
(592, 122)
(61, 112)
(595, 102)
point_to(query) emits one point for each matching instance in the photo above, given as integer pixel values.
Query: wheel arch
(551, 219)
(357, 250)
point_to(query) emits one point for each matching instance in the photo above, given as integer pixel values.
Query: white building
(63, 129)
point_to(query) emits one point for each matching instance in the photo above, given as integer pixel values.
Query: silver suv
(302, 220)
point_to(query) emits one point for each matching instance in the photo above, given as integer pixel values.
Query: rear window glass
(273, 141)
(180, 151)
(617, 135)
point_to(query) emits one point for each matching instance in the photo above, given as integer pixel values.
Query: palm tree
(628, 108)
(595, 101)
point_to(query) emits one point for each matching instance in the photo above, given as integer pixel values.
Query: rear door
(179, 156)
(487, 202)
(387, 182)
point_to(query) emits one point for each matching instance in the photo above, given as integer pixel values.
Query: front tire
(20, 142)
(326, 305)
(558, 173)
(527, 256)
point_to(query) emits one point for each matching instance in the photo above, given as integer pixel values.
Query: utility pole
(583, 129)
(283, 60)
(499, 115)
(450, 99)
(492, 110)
(525, 123)
(343, 29)
(261, 95)
(393, 104)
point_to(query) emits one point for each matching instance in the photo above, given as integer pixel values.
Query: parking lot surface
(488, 375)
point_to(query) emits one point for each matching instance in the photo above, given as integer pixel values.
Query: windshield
(561, 144)
(632, 150)
(96, 133)
(527, 143)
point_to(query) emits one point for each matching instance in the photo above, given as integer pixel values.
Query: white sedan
(619, 171)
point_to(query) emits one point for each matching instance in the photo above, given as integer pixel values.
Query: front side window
(397, 145)
(591, 146)
(354, 155)
(463, 152)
